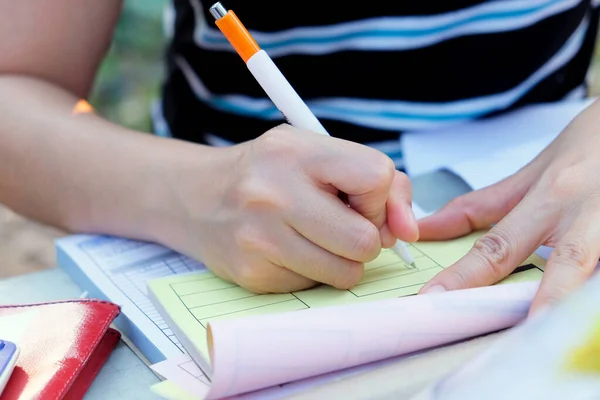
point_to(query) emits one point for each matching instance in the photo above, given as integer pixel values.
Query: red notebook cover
(63, 347)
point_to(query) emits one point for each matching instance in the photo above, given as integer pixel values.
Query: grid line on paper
(201, 321)
(206, 300)
(401, 277)
(191, 365)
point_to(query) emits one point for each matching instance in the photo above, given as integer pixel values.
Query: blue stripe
(396, 33)
(268, 111)
(272, 113)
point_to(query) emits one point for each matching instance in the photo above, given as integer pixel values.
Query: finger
(572, 261)
(265, 277)
(473, 211)
(499, 251)
(313, 262)
(401, 221)
(387, 238)
(363, 173)
(326, 221)
(252, 262)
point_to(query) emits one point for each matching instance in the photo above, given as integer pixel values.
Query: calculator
(9, 352)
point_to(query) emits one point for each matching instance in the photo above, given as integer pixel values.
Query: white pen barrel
(282, 93)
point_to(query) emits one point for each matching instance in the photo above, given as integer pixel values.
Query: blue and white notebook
(117, 270)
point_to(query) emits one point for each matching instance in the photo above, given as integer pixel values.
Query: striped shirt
(371, 73)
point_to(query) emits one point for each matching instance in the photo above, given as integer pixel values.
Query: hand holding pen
(277, 87)
(267, 214)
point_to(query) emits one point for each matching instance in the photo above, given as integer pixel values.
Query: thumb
(401, 222)
(476, 210)
(390, 210)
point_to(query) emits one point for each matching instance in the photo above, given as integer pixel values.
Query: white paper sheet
(256, 352)
(426, 151)
(487, 170)
(503, 306)
(550, 356)
(183, 372)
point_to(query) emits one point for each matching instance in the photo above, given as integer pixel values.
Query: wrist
(188, 183)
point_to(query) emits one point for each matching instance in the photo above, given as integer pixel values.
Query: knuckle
(291, 283)
(277, 141)
(367, 244)
(250, 191)
(554, 295)
(457, 202)
(458, 278)
(574, 254)
(494, 248)
(493, 245)
(350, 276)
(548, 206)
(566, 182)
(249, 239)
(463, 202)
(383, 169)
(253, 192)
(247, 277)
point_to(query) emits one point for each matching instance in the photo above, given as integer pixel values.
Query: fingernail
(434, 289)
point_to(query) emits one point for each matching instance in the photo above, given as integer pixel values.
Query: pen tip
(412, 264)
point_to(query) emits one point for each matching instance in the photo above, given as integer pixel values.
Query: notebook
(117, 270)
(63, 346)
(245, 342)
(553, 355)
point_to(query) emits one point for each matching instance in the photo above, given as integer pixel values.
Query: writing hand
(276, 222)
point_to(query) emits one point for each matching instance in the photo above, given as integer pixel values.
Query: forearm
(80, 172)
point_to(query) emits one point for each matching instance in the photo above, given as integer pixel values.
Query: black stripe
(274, 15)
(489, 63)
(461, 68)
(189, 118)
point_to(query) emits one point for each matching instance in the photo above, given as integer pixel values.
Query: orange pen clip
(235, 32)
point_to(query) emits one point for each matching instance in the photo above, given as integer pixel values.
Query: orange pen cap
(235, 32)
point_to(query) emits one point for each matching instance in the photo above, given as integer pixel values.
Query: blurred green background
(131, 74)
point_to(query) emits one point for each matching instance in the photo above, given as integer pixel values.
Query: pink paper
(262, 351)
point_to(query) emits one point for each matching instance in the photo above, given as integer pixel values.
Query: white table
(126, 377)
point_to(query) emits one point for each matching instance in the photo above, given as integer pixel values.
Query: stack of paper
(336, 333)
(243, 344)
(553, 355)
(118, 270)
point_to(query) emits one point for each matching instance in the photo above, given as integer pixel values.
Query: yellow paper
(193, 300)
(170, 391)
(586, 358)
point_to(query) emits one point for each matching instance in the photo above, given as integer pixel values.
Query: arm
(265, 213)
(76, 172)
(80, 172)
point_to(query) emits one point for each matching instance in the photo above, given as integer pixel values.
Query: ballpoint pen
(276, 86)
